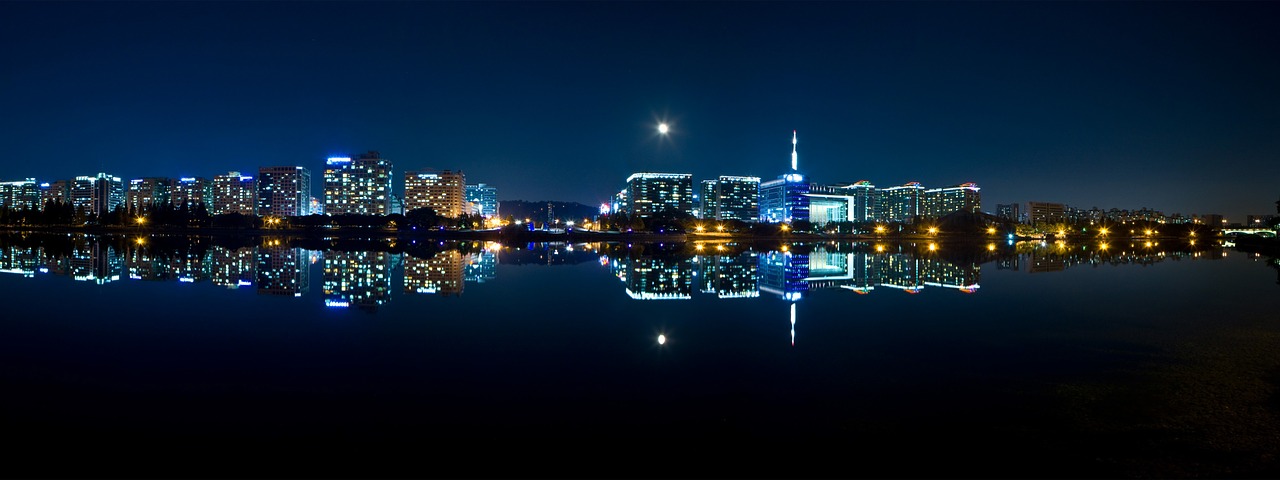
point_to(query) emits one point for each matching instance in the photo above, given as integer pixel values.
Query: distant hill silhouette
(537, 210)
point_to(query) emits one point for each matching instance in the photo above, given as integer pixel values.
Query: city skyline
(1118, 105)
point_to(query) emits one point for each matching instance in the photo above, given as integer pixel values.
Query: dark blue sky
(1168, 105)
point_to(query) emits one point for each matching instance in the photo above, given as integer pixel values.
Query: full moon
(663, 128)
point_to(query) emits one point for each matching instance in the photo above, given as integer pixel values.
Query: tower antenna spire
(793, 150)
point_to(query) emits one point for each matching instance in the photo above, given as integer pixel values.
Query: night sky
(1172, 106)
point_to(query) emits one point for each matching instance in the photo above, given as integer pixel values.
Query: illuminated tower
(793, 150)
(785, 199)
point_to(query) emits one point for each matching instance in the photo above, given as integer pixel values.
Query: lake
(203, 356)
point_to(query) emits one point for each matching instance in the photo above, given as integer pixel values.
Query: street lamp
(663, 128)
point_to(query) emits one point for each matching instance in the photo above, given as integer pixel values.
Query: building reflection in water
(655, 277)
(359, 279)
(94, 260)
(282, 270)
(441, 274)
(232, 267)
(783, 273)
(20, 260)
(787, 274)
(363, 278)
(482, 266)
(447, 272)
(729, 276)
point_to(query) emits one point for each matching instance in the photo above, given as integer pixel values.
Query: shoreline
(539, 235)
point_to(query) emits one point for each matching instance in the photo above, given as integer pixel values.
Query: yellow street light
(142, 220)
(933, 230)
(991, 230)
(879, 228)
(720, 228)
(1102, 231)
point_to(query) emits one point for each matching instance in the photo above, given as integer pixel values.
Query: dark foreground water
(198, 357)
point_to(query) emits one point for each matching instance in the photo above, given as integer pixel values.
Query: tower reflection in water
(363, 277)
(784, 273)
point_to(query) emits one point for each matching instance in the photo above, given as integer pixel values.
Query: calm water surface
(283, 357)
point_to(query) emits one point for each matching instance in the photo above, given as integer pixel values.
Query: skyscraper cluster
(359, 184)
(789, 197)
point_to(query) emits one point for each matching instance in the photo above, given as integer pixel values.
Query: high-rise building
(20, 194)
(707, 199)
(192, 191)
(785, 199)
(485, 198)
(82, 194)
(619, 203)
(731, 198)
(939, 202)
(442, 191)
(650, 194)
(108, 193)
(284, 191)
(234, 193)
(1044, 212)
(58, 191)
(148, 191)
(97, 195)
(864, 200)
(900, 203)
(359, 186)
(1009, 211)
